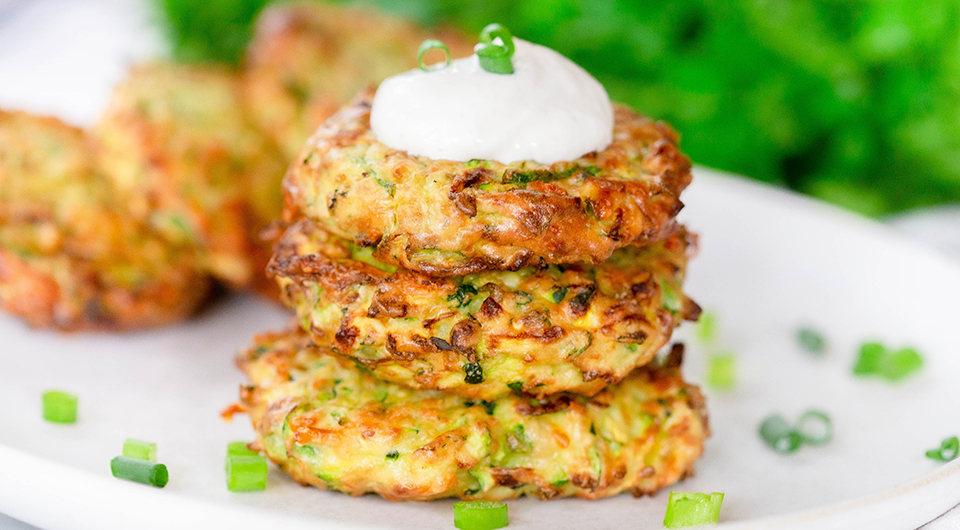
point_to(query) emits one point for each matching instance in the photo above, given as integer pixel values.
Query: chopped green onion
(900, 364)
(558, 295)
(692, 509)
(815, 428)
(811, 341)
(142, 471)
(240, 448)
(495, 49)
(491, 32)
(948, 450)
(246, 472)
(59, 407)
(722, 371)
(779, 435)
(140, 450)
(707, 327)
(480, 515)
(433, 44)
(871, 354)
(875, 359)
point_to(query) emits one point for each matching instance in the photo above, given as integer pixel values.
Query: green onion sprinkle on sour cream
(547, 110)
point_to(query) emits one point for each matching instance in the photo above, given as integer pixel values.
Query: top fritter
(447, 218)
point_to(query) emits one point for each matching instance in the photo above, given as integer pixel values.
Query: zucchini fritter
(178, 143)
(572, 328)
(307, 59)
(447, 218)
(333, 425)
(69, 256)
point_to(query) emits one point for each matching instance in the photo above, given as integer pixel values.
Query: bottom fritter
(333, 425)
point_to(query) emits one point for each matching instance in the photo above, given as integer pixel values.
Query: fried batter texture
(177, 142)
(333, 425)
(69, 256)
(307, 59)
(573, 328)
(447, 218)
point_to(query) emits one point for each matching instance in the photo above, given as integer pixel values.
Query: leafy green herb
(393, 455)
(473, 373)
(210, 31)
(840, 97)
(523, 298)
(559, 295)
(462, 295)
(389, 186)
(516, 386)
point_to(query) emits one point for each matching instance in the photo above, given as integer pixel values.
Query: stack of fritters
(478, 329)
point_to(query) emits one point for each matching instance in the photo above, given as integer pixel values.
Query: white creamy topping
(548, 110)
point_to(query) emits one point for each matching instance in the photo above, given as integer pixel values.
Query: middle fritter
(538, 330)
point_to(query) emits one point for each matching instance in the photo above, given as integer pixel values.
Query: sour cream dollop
(548, 110)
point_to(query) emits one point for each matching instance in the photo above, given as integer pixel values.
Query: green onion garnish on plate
(900, 364)
(433, 44)
(722, 371)
(811, 341)
(142, 471)
(480, 515)
(692, 509)
(815, 428)
(59, 407)
(240, 448)
(140, 450)
(875, 359)
(495, 49)
(947, 451)
(868, 362)
(246, 472)
(779, 435)
(707, 327)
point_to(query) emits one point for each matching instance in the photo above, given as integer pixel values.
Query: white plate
(770, 261)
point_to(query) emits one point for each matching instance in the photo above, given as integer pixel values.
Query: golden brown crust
(334, 426)
(447, 218)
(572, 328)
(177, 143)
(70, 258)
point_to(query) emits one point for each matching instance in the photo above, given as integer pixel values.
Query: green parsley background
(853, 101)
